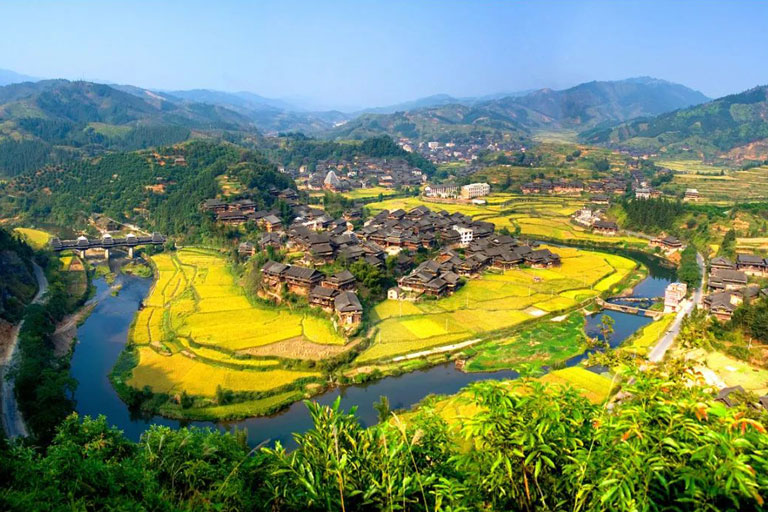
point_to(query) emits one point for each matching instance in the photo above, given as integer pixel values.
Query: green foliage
(689, 272)
(728, 245)
(301, 150)
(523, 446)
(651, 215)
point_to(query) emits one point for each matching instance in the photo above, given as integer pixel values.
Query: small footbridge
(626, 308)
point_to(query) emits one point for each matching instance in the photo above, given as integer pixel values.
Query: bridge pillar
(130, 252)
(106, 254)
(82, 254)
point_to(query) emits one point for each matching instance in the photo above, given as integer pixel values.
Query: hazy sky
(364, 53)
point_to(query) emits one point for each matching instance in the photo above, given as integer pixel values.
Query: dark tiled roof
(347, 302)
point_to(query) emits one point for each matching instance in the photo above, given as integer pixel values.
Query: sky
(353, 54)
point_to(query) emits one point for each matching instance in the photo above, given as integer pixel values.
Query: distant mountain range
(577, 108)
(734, 127)
(49, 120)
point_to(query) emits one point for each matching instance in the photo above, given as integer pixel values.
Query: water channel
(103, 335)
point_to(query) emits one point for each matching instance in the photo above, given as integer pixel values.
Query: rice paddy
(197, 325)
(34, 237)
(492, 303)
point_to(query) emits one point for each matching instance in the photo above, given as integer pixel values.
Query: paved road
(13, 423)
(657, 353)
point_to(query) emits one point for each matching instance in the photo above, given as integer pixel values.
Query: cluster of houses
(728, 283)
(609, 186)
(334, 294)
(466, 150)
(465, 192)
(362, 172)
(241, 211)
(441, 275)
(421, 227)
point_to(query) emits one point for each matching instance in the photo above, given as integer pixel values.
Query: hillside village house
(752, 265)
(721, 305)
(348, 309)
(605, 228)
(667, 244)
(691, 194)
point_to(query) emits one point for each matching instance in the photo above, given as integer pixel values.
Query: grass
(544, 343)
(737, 373)
(495, 302)
(34, 237)
(642, 341)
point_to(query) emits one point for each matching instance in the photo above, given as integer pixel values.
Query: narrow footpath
(13, 423)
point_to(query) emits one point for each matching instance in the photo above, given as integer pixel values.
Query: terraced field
(716, 185)
(493, 303)
(197, 325)
(537, 216)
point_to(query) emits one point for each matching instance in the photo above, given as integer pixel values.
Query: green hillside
(734, 126)
(53, 121)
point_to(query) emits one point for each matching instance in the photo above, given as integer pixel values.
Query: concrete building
(475, 190)
(466, 233)
(673, 296)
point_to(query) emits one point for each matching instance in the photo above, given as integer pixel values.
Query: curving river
(103, 335)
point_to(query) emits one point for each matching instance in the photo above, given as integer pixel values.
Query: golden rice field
(34, 237)
(537, 216)
(177, 373)
(496, 301)
(197, 318)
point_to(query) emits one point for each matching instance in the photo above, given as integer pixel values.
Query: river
(103, 335)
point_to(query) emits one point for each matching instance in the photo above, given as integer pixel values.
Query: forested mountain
(144, 187)
(53, 121)
(734, 126)
(295, 150)
(579, 107)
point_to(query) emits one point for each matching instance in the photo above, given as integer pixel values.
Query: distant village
(466, 151)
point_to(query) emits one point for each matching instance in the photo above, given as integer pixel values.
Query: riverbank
(12, 419)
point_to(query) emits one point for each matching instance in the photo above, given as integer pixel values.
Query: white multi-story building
(475, 190)
(467, 234)
(673, 296)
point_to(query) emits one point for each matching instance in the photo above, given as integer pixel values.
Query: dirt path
(436, 350)
(13, 423)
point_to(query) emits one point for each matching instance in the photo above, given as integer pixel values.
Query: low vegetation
(498, 446)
